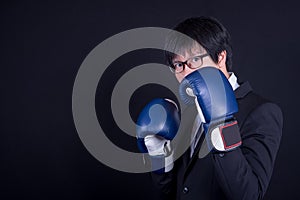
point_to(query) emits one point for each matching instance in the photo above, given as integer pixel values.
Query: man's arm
(165, 184)
(245, 172)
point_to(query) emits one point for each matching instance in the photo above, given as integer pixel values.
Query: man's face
(189, 57)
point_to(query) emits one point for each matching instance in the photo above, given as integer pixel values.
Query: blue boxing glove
(212, 93)
(157, 125)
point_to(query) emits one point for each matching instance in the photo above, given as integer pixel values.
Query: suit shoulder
(268, 110)
(263, 105)
(255, 104)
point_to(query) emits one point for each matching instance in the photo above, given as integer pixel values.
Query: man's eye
(196, 59)
(178, 65)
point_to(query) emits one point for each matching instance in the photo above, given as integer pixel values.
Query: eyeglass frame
(185, 63)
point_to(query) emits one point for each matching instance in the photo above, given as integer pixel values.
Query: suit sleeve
(245, 173)
(165, 185)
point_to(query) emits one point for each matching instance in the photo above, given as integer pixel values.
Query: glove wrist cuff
(163, 162)
(169, 162)
(225, 136)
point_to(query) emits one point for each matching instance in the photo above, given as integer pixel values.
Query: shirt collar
(233, 81)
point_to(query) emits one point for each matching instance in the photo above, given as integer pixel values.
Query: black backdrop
(43, 43)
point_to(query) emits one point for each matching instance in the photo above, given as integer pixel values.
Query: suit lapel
(194, 157)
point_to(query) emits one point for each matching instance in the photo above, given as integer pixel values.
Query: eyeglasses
(193, 63)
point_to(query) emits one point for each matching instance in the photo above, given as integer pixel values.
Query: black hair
(206, 31)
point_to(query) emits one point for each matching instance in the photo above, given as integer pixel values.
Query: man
(240, 164)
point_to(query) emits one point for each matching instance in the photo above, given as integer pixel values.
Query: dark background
(43, 44)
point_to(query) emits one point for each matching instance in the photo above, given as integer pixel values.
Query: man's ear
(222, 59)
(222, 63)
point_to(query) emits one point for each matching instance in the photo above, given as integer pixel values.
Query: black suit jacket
(243, 173)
